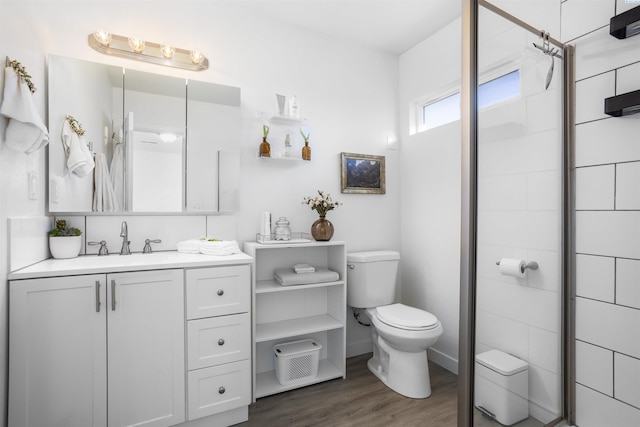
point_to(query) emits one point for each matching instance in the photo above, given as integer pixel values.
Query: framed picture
(362, 174)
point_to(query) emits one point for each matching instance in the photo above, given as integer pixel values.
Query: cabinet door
(57, 352)
(218, 291)
(145, 326)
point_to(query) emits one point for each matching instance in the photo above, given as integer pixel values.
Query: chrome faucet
(124, 233)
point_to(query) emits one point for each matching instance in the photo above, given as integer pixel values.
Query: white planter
(65, 246)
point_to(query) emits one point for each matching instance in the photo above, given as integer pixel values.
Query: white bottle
(294, 111)
(287, 146)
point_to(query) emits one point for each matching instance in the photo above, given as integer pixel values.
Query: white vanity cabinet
(150, 340)
(218, 341)
(289, 313)
(74, 338)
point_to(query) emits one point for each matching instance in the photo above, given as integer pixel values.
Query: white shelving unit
(289, 313)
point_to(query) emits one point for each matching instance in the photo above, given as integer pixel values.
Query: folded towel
(288, 276)
(26, 131)
(221, 247)
(79, 158)
(191, 246)
(104, 199)
(304, 268)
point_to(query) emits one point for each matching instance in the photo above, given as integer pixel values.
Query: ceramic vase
(63, 247)
(322, 229)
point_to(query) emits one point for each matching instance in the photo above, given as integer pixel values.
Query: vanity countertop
(91, 264)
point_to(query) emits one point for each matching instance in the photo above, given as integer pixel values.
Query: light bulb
(103, 37)
(196, 57)
(167, 50)
(136, 44)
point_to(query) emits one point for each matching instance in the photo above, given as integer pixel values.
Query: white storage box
(296, 361)
(502, 386)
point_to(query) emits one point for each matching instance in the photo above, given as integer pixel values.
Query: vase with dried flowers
(321, 229)
(265, 147)
(306, 150)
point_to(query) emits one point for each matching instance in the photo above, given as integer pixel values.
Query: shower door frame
(469, 214)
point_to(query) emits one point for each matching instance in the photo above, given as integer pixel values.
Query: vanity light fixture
(623, 105)
(626, 24)
(146, 51)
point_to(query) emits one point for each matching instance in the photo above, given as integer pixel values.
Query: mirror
(162, 144)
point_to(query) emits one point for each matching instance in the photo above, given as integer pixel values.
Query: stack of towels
(304, 274)
(209, 247)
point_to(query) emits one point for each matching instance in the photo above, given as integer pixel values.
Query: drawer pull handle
(221, 390)
(220, 292)
(220, 341)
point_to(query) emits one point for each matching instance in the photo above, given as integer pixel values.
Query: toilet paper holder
(531, 265)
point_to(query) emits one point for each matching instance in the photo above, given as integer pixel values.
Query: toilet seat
(404, 317)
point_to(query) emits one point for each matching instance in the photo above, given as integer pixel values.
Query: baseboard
(444, 360)
(359, 347)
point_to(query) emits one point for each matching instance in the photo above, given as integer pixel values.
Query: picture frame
(362, 173)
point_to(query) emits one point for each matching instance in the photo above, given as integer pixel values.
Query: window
(446, 110)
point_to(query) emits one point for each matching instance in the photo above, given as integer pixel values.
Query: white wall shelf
(289, 313)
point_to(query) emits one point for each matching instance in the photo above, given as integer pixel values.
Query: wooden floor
(359, 400)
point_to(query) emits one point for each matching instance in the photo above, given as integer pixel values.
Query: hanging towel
(25, 132)
(117, 173)
(79, 158)
(103, 196)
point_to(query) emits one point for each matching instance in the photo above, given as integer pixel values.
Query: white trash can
(502, 386)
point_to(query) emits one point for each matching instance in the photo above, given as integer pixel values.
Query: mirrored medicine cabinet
(168, 144)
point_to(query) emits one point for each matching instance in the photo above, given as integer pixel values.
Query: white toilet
(400, 334)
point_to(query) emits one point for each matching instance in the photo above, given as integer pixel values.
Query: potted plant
(64, 242)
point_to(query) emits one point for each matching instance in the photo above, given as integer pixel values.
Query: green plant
(62, 230)
(306, 137)
(265, 130)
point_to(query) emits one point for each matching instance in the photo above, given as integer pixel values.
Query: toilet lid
(405, 317)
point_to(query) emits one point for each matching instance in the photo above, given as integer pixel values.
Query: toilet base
(406, 373)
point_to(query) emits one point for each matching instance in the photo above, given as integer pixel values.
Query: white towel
(220, 248)
(26, 131)
(191, 246)
(104, 199)
(304, 268)
(117, 173)
(79, 158)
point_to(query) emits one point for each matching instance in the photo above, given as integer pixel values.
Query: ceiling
(393, 26)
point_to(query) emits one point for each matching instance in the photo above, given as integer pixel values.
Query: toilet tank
(371, 278)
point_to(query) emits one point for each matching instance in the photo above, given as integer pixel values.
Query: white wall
(607, 217)
(347, 93)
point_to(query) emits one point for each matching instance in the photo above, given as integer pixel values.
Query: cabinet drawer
(218, 340)
(218, 291)
(219, 389)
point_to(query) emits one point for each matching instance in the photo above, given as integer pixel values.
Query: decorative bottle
(306, 151)
(294, 111)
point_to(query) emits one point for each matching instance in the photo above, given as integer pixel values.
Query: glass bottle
(283, 231)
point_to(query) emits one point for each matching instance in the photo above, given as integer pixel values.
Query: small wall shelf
(286, 120)
(626, 24)
(623, 105)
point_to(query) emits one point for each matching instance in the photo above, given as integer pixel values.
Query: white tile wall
(582, 16)
(627, 78)
(628, 185)
(28, 241)
(543, 191)
(607, 241)
(544, 349)
(628, 282)
(608, 325)
(595, 187)
(607, 141)
(624, 5)
(627, 379)
(598, 52)
(590, 95)
(594, 409)
(595, 277)
(594, 367)
(610, 233)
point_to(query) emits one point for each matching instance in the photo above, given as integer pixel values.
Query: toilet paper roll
(513, 267)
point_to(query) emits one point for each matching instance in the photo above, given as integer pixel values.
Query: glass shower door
(518, 369)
